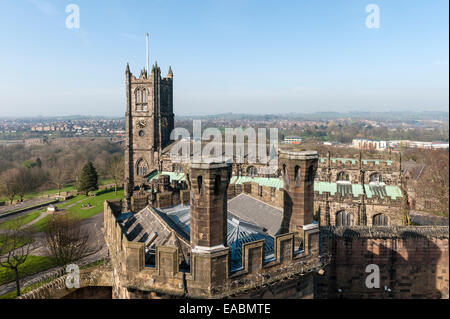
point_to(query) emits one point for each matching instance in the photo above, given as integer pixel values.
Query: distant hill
(405, 116)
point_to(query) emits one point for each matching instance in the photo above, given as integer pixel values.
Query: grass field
(20, 242)
(96, 203)
(52, 191)
(25, 219)
(32, 265)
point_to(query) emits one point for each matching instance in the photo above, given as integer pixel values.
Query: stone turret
(298, 169)
(208, 183)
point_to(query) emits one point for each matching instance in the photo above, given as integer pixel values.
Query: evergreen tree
(88, 179)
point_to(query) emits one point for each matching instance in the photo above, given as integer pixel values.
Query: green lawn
(25, 219)
(32, 265)
(20, 242)
(51, 191)
(96, 202)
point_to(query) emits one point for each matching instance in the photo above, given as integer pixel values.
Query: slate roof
(147, 224)
(239, 231)
(255, 211)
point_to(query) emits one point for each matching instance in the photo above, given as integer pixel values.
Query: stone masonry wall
(413, 262)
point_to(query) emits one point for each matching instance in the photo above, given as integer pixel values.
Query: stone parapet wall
(413, 262)
(209, 275)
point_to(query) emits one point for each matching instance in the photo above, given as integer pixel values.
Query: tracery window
(380, 220)
(376, 178)
(343, 218)
(343, 177)
(142, 167)
(252, 171)
(141, 99)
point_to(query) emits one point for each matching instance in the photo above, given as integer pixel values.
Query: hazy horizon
(247, 56)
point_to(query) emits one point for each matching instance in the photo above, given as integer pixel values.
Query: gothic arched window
(343, 218)
(142, 167)
(380, 220)
(141, 99)
(252, 171)
(343, 177)
(376, 178)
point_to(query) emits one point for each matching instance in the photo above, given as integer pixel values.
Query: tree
(66, 240)
(433, 183)
(116, 171)
(28, 180)
(59, 176)
(88, 179)
(15, 246)
(8, 184)
(38, 162)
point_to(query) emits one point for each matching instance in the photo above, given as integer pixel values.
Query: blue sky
(252, 56)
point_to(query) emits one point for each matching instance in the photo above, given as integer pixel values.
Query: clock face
(141, 123)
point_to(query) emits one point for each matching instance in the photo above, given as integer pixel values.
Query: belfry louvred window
(141, 99)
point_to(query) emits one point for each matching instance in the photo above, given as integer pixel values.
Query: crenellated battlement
(200, 281)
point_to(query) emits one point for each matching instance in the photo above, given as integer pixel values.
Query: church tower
(149, 120)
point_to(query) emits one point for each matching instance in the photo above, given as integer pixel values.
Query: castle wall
(413, 262)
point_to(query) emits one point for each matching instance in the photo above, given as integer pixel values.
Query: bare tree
(75, 172)
(15, 246)
(66, 240)
(116, 171)
(28, 180)
(59, 175)
(8, 184)
(433, 184)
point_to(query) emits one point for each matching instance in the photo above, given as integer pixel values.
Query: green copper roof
(262, 181)
(356, 190)
(354, 161)
(174, 176)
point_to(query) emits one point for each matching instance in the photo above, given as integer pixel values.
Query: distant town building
(419, 144)
(34, 141)
(365, 144)
(292, 140)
